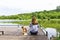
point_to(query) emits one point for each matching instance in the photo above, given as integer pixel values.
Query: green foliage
(53, 23)
(52, 14)
(57, 38)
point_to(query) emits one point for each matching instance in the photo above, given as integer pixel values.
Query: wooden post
(46, 33)
(2, 32)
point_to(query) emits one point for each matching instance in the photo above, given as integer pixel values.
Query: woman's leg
(33, 33)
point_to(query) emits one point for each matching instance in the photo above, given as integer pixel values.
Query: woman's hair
(34, 20)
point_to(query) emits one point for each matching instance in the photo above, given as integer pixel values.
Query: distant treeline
(52, 14)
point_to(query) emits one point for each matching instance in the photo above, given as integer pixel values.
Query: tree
(58, 8)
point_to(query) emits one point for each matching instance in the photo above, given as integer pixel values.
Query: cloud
(19, 6)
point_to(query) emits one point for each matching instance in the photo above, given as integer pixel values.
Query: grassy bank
(54, 23)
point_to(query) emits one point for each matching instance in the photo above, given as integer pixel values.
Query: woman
(34, 26)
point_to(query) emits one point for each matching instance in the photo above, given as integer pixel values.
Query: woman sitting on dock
(34, 26)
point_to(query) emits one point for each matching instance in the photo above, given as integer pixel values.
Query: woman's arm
(30, 25)
(38, 26)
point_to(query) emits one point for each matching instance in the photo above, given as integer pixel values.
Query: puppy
(24, 30)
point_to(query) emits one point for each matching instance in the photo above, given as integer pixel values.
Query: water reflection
(52, 32)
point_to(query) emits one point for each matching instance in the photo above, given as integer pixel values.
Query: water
(52, 32)
(11, 20)
(9, 25)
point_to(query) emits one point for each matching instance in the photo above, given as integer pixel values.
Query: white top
(34, 28)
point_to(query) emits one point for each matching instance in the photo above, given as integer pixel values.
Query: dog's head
(24, 29)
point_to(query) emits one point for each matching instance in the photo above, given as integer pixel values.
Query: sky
(13, 7)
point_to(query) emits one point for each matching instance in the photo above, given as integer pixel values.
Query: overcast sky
(12, 7)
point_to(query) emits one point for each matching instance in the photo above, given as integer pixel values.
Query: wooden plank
(23, 38)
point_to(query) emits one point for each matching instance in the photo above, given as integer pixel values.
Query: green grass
(53, 23)
(50, 23)
(57, 38)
